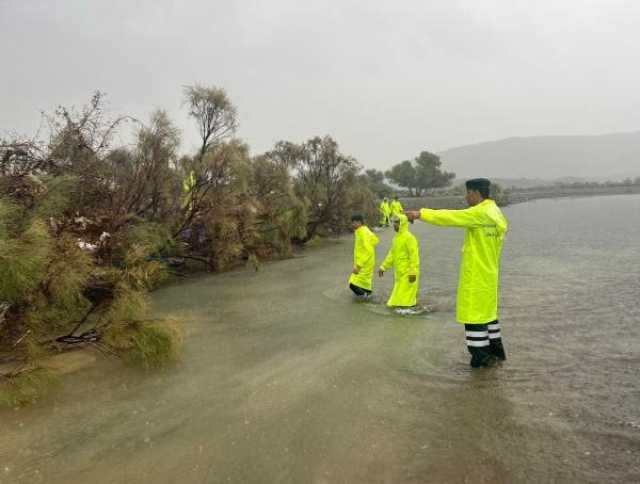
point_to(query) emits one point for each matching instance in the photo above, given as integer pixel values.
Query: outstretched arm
(468, 217)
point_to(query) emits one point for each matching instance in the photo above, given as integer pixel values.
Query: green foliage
(23, 261)
(42, 280)
(148, 239)
(362, 200)
(429, 174)
(403, 174)
(26, 387)
(280, 214)
(421, 174)
(54, 197)
(146, 344)
(325, 180)
(213, 113)
(374, 180)
(86, 227)
(68, 274)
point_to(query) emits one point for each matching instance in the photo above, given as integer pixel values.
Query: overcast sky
(387, 79)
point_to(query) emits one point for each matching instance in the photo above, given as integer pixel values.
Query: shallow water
(285, 378)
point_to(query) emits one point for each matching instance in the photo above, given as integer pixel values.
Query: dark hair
(357, 217)
(480, 185)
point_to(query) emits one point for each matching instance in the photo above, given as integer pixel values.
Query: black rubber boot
(480, 358)
(496, 349)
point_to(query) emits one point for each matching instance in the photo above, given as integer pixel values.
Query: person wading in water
(364, 257)
(477, 298)
(404, 258)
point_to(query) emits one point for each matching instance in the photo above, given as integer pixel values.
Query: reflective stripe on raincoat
(486, 226)
(364, 257)
(396, 207)
(404, 257)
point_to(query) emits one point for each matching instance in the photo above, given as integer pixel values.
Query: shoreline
(76, 358)
(520, 196)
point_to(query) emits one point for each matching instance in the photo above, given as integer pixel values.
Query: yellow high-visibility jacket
(385, 212)
(188, 184)
(404, 257)
(364, 257)
(396, 207)
(486, 226)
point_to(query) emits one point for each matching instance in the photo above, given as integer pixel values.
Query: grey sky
(387, 79)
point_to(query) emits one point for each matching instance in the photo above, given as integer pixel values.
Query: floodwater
(285, 379)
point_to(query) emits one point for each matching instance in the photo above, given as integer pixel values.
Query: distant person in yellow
(364, 257)
(404, 258)
(385, 212)
(396, 206)
(477, 300)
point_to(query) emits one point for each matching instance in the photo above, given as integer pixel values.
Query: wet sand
(285, 378)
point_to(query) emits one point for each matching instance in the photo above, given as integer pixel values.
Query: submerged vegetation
(89, 226)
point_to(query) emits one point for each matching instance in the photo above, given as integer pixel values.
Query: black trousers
(484, 341)
(359, 291)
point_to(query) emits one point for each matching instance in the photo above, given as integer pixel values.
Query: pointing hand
(412, 215)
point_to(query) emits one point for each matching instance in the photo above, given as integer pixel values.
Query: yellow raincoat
(396, 207)
(404, 257)
(477, 300)
(188, 184)
(385, 212)
(364, 257)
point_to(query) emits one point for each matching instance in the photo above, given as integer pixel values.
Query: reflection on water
(286, 379)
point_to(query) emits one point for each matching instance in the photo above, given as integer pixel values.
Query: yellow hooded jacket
(385, 211)
(404, 257)
(396, 207)
(486, 226)
(364, 257)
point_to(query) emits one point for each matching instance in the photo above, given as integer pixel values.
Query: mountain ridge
(599, 156)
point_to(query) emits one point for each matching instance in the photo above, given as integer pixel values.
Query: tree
(323, 177)
(403, 174)
(143, 181)
(213, 112)
(157, 152)
(327, 181)
(56, 200)
(421, 174)
(374, 179)
(282, 214)
(428, 173)
(216, 119)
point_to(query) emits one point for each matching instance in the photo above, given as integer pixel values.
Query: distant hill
(600, 157)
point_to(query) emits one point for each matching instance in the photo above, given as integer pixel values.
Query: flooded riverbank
(285, 378)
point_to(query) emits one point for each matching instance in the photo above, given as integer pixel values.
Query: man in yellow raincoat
(404, 257)
(364, 257)
(385, 212)
(396, 206)
(477, 300)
